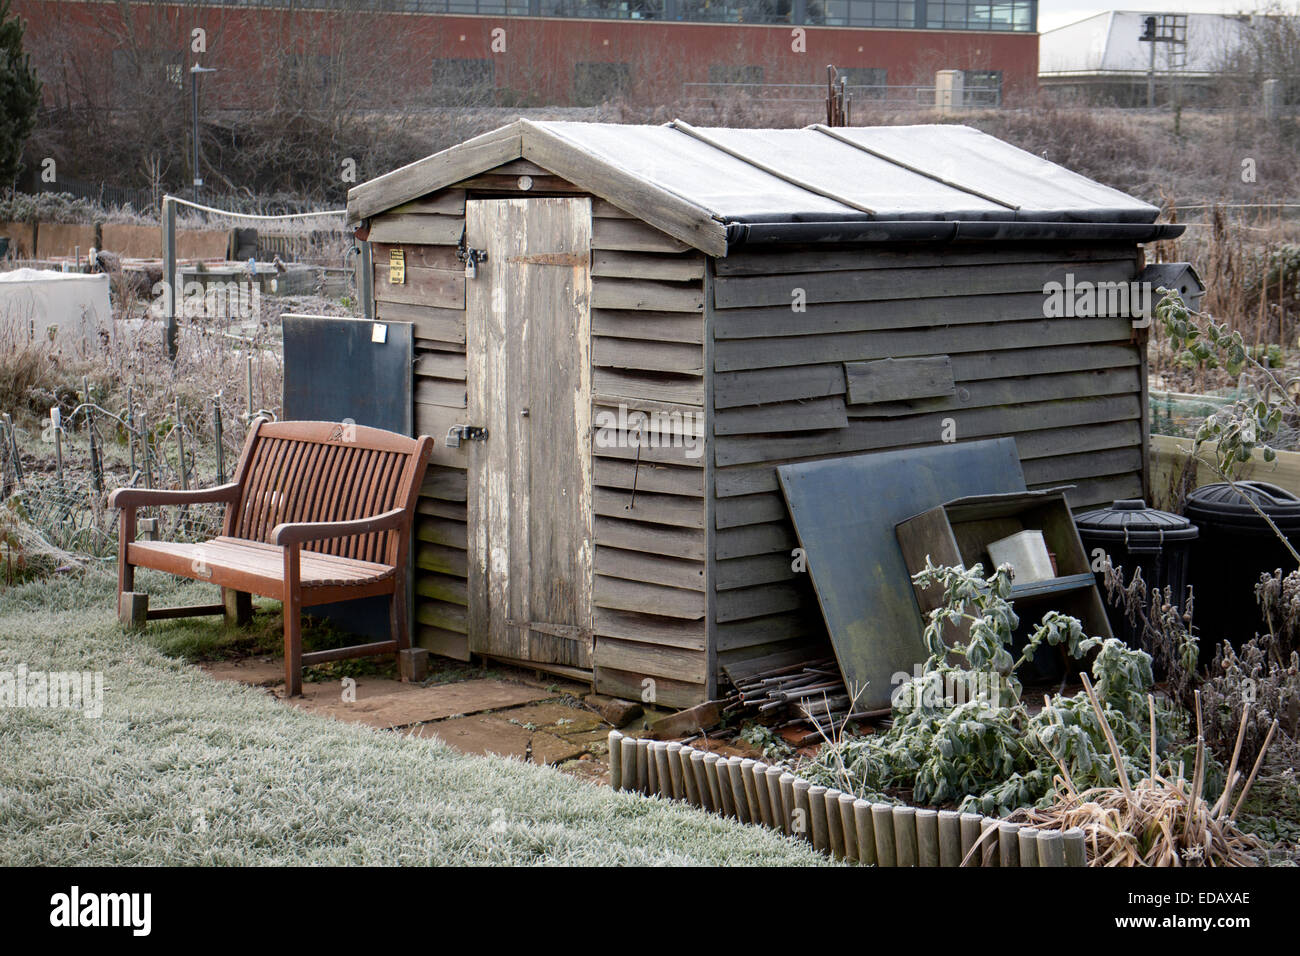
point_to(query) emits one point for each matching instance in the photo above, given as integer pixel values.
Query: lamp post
(195, 70)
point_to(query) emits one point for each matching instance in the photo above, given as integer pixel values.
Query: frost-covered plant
(984, 750)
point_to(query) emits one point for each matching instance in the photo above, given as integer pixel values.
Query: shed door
(528, 337)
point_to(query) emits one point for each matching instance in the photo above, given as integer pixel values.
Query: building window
(463, 82)
(595, 83)
(603, 9)
(1017, 15)
(1000, 15)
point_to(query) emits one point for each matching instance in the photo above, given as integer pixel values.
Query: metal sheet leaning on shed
(844, 512)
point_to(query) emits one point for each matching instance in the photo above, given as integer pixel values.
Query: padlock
(471, 267)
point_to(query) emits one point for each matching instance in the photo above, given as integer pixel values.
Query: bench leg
(132, 609)
(397, 615)
(293, 647)
(239, 606)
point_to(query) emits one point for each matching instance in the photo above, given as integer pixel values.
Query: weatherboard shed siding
(892, 345)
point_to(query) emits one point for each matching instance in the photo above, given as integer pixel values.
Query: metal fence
(140, 200)
(876, 96)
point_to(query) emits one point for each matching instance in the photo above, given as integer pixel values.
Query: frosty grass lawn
(183, 769)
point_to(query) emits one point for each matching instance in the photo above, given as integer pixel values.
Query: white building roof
(1108, 44)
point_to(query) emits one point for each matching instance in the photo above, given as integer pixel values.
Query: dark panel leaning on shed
(771, 296)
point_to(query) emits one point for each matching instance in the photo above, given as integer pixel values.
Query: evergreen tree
(20, 94)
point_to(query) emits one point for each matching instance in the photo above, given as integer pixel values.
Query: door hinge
(458, 433)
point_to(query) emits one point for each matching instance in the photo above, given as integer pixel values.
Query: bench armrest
(300, 532)
(142, 497)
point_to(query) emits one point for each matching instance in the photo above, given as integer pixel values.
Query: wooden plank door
(529, 384)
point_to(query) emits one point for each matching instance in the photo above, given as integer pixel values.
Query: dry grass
(1158, 821)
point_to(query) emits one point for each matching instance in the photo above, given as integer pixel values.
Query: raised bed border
(837, 823)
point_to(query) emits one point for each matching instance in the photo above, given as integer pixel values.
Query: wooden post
(834, 824)
(751, 790)
(786, 782)
(764, 805)
(652, 770)
(627, 756)
(1051, 848)
(711, 775)
(689, 790)
(642, 765)
(882, 824)
(56, 424)
(866, 832)
(927, 838)
(989, 849)
(738, 795)
(615, 760)
(949, 838)
(180, 445)
(817, 814)
(675, 770)
(701, 779)
(144, 450)
(169, 275)
(1076, 848)
(1009, 843)
(726, 791)
(665, 775)
(248, 385)
(773, 776)
(801, 817)
(970, 832)
(216, 432)
(96, 465)
(905, 835)
(130, 424)
(848, 825)
(1028, 838)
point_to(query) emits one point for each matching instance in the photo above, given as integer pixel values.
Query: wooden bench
(318, 512)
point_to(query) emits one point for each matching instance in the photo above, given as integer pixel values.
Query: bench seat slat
(259, 560)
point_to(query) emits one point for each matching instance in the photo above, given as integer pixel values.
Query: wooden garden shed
(757, 297)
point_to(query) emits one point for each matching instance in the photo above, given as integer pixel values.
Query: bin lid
(1221, 501)
(1130, 519)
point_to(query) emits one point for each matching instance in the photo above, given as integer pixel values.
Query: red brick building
(409, 53)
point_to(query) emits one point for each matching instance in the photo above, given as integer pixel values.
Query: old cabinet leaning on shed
(660, 314)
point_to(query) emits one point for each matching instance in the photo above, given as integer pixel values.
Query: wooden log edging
(836, 823)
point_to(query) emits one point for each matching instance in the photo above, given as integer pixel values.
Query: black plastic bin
(1135, 536)
(1236, 546)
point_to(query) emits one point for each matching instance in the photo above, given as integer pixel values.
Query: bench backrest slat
(322, 471)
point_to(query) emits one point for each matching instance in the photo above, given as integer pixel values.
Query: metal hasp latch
(471, 258)
(458, 433)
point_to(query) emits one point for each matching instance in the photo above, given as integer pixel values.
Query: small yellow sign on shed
(397, 266)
